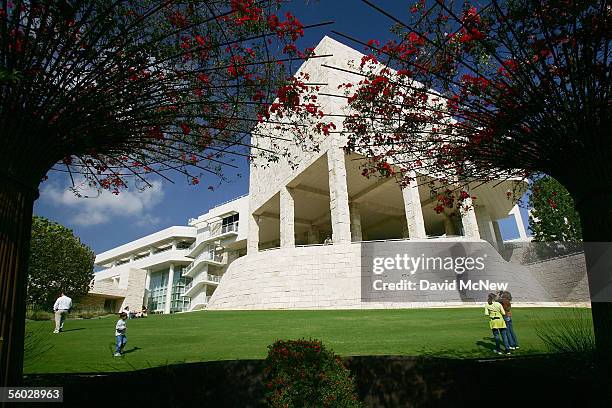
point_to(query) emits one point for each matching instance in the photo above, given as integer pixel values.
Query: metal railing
(206, 256)
(203, 278)
(214, 278)
(214, 230)
(188, 268)
(188, 286)
(233, 227)
(200, 301)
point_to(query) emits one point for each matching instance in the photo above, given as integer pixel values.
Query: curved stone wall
(329, 277)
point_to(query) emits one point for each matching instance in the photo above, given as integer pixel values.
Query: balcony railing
(188, 286)
(188, 268)
(214, 278)
(201, 301)
(204, 256)
(215, 230)
(205, 277)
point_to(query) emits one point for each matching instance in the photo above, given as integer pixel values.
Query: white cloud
(99, 209)
(147, 219)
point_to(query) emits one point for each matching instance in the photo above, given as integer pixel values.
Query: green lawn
(87, 345)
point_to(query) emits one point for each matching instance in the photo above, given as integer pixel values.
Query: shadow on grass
(382, 381)
(133, 349)
(486, 343)
(36, 345)
(69, 330)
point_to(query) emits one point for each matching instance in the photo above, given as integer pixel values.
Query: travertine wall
(91, 301)
(569, 279)
(135, 292)
(131, 289)
(266, 181)
(106, 287)
(292, 278)
(329, 277)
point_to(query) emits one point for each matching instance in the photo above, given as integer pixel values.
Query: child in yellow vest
(495, 311)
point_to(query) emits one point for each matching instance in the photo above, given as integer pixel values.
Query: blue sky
(107, 221)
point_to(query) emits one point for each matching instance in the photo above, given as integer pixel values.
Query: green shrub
(33, 314)
(572, 333)
(303, 373)
(89, 314)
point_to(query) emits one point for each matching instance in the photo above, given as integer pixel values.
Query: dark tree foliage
(471, 92)
(553, 215)
(59, 261)
(111, 92)
(115, 91)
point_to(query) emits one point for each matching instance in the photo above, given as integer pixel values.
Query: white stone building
(264, 250)
(173, 270)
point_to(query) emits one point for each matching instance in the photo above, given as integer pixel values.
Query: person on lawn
(120, 329)
(495, 311)
(506, 298)
(142, 313)
(62, 306)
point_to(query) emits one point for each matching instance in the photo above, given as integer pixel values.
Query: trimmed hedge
(39, 315)
(303, 373)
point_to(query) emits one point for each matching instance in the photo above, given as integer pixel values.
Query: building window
(178, 302)
(230, 224)
(183, 245)
(210, 252)
(157, 290)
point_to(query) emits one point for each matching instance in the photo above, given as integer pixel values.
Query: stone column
(174, 244)
(498, 235)
(468, 219)
(516, 213)
(338, 195)
(485, 226)
(147, 291)
(169, 289)
(356, 234)
(253, 236)
(287, 218)
(413, 210)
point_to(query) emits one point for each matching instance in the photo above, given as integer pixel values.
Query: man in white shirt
(62, 306)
